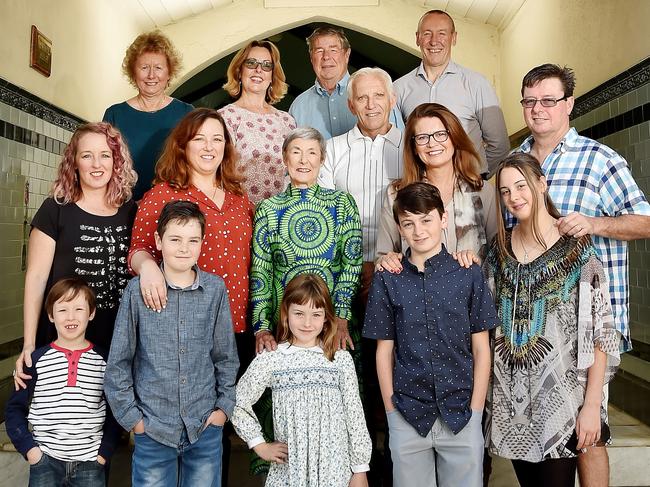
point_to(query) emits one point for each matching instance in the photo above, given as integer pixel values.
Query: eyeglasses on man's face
(439, 136)
(252, 63)
(545, 102)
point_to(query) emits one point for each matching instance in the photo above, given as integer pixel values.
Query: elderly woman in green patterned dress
(304, 229)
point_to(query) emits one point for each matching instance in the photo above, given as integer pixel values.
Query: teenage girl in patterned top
(321, 439)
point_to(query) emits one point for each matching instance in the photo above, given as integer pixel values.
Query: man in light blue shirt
(324, 106)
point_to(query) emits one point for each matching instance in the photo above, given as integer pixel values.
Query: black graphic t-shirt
(91, 247)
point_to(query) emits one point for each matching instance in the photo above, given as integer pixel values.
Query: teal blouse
(313, 230)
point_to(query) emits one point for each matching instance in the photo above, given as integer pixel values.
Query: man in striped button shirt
(593, 188)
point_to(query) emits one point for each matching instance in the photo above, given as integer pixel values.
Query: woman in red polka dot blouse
(198, 165)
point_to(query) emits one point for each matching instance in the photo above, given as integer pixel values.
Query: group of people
(327, 255)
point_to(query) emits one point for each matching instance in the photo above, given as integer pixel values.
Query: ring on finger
(14, 373)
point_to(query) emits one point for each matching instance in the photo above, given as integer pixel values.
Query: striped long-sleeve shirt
(64, 402)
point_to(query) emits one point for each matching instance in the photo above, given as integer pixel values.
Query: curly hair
(277, 89)
(465, 159)
(66, 188)
(173, 167)
(154, 42)
(309, 289)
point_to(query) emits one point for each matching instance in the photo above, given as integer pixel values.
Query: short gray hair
(383, 75)
(328, 30)
(305, 133)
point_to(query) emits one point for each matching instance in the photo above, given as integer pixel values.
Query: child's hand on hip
(217, 418)
(139, 427)
(276, 452)
(34, 455)
(101, 460)
(358, 480)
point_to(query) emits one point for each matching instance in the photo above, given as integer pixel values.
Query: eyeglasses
(545, 102)
(423, 139)
(252, 63)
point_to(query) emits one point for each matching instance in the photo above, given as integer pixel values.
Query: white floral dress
(316, 411)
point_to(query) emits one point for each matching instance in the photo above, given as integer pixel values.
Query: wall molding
(23, 100)
(623, 83)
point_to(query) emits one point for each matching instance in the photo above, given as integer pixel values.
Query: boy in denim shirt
(431, 322)
(171, 375)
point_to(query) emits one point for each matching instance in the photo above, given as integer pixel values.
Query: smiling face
(256, 80)
(433, 154)
(180, 245)
(435, 37)
(205, 150)
(329, 59)
(94, 160)
(548, 121)
(371, 103)
(71, 317)
(423, 232)
(303, 159)
(305, 323)
(517, 196)
(151, 73)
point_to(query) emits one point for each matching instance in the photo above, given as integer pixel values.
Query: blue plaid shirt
(590, 178)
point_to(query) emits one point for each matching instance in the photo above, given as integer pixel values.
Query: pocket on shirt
(198, 325)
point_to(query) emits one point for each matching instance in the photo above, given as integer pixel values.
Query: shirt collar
(340, 88)
(452, 67)
(287, 349)
(304, 193)
(199, 279)
(394, 135)
(569, 139)
(437, 262)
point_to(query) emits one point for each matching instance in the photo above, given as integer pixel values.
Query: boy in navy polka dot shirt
(431, 324)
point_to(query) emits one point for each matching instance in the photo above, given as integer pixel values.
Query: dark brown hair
(68, 289)
(181, 212)
(539, 73)
(531, 170)
(304, 289)
(417, 198)
(465, 159)
(276, 90)
(173, 167)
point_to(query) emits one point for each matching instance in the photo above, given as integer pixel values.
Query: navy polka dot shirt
(431, 316)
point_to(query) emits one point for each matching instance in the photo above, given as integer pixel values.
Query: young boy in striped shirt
(73, 432)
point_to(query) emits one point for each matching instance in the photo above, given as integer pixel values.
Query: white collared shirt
(364, 168)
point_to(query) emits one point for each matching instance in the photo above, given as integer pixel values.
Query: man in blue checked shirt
(592, 186)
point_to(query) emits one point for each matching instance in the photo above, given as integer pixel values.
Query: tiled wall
(32, 137)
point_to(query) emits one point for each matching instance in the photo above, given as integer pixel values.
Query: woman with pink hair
(83, 229)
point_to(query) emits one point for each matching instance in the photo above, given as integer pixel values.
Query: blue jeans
(187, 465)
(50, 472)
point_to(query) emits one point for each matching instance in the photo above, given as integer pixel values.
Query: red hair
(465, 160)
(174, 169)
(66, 188)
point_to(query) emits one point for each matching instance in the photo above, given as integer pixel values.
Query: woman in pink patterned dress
(256, 81)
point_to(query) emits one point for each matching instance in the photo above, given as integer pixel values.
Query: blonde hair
(153, 42)
(277, 89)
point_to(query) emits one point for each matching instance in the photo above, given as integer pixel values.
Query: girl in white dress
(318, 421)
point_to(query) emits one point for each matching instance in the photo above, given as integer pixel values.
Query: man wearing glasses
(467, 94)
(324, 106)
(592, 186)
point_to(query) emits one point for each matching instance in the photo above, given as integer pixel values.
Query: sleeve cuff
(258, 440)
(364, 467)
(226, 405)
(130, 419)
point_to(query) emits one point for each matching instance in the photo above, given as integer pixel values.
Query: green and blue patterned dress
(298, 231)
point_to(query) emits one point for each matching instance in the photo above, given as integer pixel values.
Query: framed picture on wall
(40, 53)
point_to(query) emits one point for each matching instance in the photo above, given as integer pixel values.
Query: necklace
(157, 106)
(537, 245)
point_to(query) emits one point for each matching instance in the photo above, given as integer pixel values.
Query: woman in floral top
(256, 82)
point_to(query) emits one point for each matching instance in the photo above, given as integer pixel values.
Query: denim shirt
(431, 316)
(173, 368)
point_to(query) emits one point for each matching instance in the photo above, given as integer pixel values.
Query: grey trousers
(456, 460)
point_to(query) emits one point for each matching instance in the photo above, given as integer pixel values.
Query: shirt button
(333, 118)
(182, 321)
(182, 350)
(183, 380)
(183, 412)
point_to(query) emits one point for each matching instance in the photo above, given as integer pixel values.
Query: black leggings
(556, 472)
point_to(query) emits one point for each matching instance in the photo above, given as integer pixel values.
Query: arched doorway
(204, 88)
